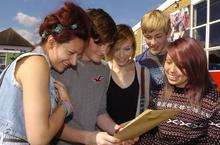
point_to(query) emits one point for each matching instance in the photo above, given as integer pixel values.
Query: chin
(121, 64)
(172, 82)
(60, 70)
(96, 60)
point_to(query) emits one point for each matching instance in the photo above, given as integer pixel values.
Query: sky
(24, 16)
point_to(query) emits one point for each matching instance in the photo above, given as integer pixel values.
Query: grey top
(87, 86)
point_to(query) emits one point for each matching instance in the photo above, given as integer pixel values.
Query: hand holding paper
(144, 122)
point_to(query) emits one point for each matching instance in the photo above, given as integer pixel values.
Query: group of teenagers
(83, 81)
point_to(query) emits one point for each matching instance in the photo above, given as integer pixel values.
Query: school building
(11, 45)
(195, 18)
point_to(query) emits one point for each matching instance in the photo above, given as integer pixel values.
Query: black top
(122, 103)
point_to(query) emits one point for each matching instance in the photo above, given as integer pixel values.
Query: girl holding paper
(189, 88)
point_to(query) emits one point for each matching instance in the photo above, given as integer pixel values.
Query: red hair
(190, 58)
(69, 14)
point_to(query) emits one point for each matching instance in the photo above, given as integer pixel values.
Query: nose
(172, 68)
(104, 49)
(73, 59)
(120, 52)
(153, 41)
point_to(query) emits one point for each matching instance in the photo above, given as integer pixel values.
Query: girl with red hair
(188, 87)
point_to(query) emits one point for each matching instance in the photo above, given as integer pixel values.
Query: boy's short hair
(103, 25)
(155, 20)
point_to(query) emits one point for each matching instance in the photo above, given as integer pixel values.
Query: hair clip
(74, 26)
(44, 34)
(58, 28)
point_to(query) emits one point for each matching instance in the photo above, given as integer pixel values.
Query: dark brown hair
(103, 25)
(68, 15)
(190, 58)
(124, 33)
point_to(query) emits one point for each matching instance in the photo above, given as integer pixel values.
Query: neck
(183, 85)
(162, 51)
(85, 58)
(43, 46)
(45, 49)
(117, 68)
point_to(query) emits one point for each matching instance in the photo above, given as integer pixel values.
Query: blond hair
(155, 20)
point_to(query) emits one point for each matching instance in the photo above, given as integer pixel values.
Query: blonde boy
(156, 27)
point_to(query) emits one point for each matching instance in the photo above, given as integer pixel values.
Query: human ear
(51, 42)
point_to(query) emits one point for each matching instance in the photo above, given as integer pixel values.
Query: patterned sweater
(192, 126)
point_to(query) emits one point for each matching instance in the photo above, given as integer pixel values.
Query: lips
(121, 60)
(100, 56)
(172, 77)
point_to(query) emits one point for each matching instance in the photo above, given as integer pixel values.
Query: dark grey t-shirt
(87, 86)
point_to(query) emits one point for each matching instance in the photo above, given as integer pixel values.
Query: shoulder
(161, 87)
(33, 62)
(138, 67)
(105, 65)
(212, 94)
(31, 68)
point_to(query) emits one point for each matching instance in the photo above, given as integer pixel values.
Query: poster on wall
(180, 23)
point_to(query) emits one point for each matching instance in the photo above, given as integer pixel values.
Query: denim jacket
(11, 99)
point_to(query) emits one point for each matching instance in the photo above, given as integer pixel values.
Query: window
(214, 35)
(206, 28)
(2, 58)
(214, 60)
(199, 13)
(200, 34)
(214, 10)
(2, 61)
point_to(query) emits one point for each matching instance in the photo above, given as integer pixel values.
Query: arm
(105, 122)
(87, 137)
(33, 75)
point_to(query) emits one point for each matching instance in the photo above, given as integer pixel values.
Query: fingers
(117, 128)
(111, 139)
(130, 141)
(136, 139)
(61, 90)
(103, 138)
(59, 84)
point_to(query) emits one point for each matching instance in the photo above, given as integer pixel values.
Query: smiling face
(123, 52)
(63, 56)
(156, 41)
(95, 51)
(174, 74)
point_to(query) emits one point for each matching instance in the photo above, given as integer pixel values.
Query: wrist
(90, 138)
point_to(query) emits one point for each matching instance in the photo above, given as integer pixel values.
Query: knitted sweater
(192, 126)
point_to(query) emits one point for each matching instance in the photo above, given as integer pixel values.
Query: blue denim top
(11, 99)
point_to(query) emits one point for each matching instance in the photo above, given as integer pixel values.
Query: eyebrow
(71, 50)
(159, 34)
